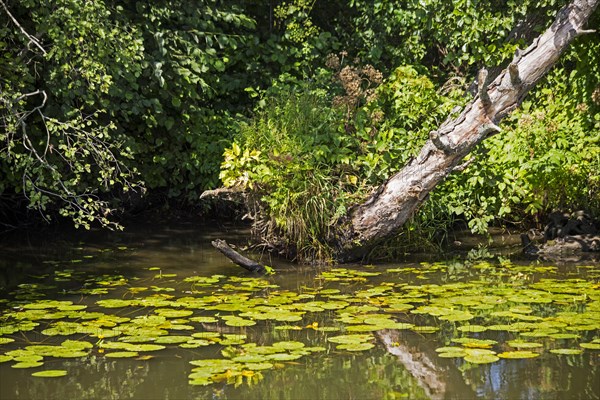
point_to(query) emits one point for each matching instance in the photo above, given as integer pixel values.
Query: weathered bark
(397, 199)
(237, 258)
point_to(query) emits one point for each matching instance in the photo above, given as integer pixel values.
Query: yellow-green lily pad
(122, 354)
(27, 365)
(50, 373)
(590, 346)
(355, 346)
(518, 354)
(566, 351)
(519, 344)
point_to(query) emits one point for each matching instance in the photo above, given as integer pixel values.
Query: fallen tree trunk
(380, 216)
(237, 258)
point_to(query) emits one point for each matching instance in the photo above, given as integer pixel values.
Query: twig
(32, 39)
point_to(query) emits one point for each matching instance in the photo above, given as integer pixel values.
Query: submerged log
(237, 258)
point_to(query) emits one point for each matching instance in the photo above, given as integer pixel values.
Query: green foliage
(306, 159)
(58, 146)
(547, 158)
(449, 35)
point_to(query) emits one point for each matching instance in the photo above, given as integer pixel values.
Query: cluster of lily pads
(342, 310)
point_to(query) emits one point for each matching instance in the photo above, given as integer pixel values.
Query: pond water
(156, 313)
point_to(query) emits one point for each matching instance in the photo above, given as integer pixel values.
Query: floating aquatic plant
(50, 373)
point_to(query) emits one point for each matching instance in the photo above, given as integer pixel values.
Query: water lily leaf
(206, 335)
(347, 339)
(195, 343)
(327, 329)
(475, 343)
(172, 313)
(355, 346)
(334, 305)
(201, 381)
(539, 333)
(50, 373)
(29, 358)
(524, 345)
(399, 307)
(363, 328)
(207, 320)
(452, 354)
(315, 349)
(566, 351)
(115, 303)
(472, 328)
(481, 358)
(5, 358)
(590, 346)
(288, 328)
(518, 354)
(5, 340)
(283, 356)
(446, 349)
(122, 354)
(564, 336)
(288, 345)
(236, 321)
(142, 338)
(503, 327)
(172, 339)
(250, 358)
(27, 365)
(70, 353)
(217, 364)
(77, 344)
(258, 366)
(457, 316)
(521, 310)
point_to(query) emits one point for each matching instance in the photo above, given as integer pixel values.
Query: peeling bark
(380, 216)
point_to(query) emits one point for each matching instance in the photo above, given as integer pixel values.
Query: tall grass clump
(314, 149)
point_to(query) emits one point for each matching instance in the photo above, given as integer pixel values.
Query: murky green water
(198, 327)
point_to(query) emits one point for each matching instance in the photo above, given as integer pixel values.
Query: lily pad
(50, 373)
(472, 328)
(348, 339)
(355, 346)
(27, 365)
(518, 354)
(172, 339)
(566, 351)
(564, 336)
(288, 345)
(426, 329)
(475, 343)
(284, 356)
(258, 366)
(524, 345)
(481, 358)
(590, 346)
(122, 354)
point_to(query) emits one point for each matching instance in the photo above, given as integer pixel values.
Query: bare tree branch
(32, 39)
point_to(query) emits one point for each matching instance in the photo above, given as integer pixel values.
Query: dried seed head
(596, 96)
(332, 61)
